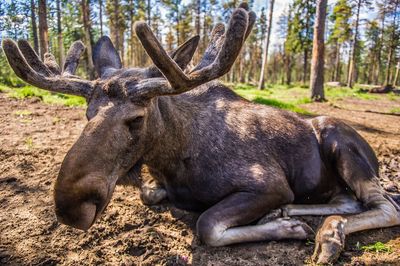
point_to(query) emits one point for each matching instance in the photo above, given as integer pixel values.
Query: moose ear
(105, 56)
(184, 53)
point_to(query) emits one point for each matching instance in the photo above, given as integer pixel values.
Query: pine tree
(354, 48)
(300, 37)
(261, 84)
(341, 31)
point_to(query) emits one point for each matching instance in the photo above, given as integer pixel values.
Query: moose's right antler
(47, 75)
(217, 60)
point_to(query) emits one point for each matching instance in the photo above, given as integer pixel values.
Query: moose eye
(135, 123)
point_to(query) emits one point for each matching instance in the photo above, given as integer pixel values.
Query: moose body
(216, 143)
(207, 148)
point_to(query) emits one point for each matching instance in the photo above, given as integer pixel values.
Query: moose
(207, 149)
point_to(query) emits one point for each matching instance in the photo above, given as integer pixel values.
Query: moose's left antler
(217, 60)
(47, 75)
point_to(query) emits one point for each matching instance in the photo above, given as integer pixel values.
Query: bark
(288, 69)
(396, 77)
(379, 57)
(337, 63)
(87, 29)
(132, 32)
(43, 29)
(317, 63)
(392, 47)
(148, 12)
(242, 75)
(264, 66)
(34, 27)
(198, 14)
(354, 47)
(101, 16)
(305, 66)
(59, 35)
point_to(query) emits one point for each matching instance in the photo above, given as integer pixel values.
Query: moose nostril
(80, 216)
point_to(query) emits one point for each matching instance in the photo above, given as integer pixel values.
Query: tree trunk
(87, 29)
(392, 47)
(264, 66)
(354, 48)
(101, 16)
(288, 69)
(317, 63)
(337, 63)
(43, 29)
(34, 27)
(148, 12)
(59, 35)
(242, 74)
(396, 77)
(198, 14)
(305, 66)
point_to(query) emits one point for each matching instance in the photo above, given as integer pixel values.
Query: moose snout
(80, 203)
(80, 217)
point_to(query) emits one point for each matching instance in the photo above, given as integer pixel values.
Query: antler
(47, 75)
(217, 60)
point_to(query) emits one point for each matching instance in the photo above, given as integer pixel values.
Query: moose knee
(389, 213)
(209, 232)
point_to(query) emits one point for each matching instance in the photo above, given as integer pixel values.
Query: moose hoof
(290, 229)
(296, 229)
(152, 196)
(329, 241)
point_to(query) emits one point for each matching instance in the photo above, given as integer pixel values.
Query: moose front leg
(227, 222)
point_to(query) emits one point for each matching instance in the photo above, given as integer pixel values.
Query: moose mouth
(81, 215)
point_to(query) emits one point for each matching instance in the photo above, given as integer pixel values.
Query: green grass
(280, 96)
(395, 111)
(377, 247)
(290, 97)
(45, 96)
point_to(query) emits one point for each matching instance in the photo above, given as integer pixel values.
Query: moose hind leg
(227, 222)
(357, 166)
(342, 203)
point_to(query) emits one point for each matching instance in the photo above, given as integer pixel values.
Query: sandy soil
(33, 141)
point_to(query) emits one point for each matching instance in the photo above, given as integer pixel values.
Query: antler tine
(211, 52)
(32, 58)
(159, 56)
(29, 68)
(72, 58)
(230, 49)
(218, 59)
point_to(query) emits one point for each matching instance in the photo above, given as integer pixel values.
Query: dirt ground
(34, 138)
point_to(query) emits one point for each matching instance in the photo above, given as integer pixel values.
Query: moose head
(124, 117)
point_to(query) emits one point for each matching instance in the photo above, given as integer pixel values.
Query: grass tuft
(280, 105)
(377, 247)
(395, 111)
(22, 113)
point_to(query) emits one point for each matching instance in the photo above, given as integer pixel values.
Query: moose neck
(171, 121)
